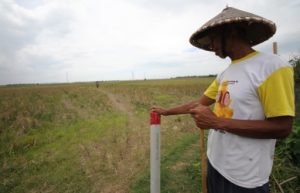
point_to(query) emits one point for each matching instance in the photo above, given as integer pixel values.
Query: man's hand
(159, 110)
(204, 117)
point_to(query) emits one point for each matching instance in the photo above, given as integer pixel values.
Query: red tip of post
(154, 118)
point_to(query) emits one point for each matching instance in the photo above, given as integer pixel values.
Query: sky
(56, 41)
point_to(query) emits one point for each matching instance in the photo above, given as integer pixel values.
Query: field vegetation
(80, 138)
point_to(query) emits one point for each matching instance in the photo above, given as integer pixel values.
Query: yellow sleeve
(212, 90)
(277, 93)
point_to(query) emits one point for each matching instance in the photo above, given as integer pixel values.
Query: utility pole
(275, 48)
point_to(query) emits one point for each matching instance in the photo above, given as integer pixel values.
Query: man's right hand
(159, 110)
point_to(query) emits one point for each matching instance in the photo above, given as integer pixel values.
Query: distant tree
(295, 62)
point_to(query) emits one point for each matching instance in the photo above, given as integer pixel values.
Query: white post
(155, 153)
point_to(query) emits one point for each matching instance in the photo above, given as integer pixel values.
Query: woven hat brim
(257, 29)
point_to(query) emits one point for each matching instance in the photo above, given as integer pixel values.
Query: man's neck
(239, 50)
(240, 54)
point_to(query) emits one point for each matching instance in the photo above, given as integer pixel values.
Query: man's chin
(220, 55)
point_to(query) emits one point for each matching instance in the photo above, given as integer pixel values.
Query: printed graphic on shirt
(222, 106)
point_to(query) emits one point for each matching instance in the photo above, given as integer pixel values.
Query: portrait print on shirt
(223, 101)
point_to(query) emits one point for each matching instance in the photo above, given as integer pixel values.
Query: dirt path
(116, 103)
(122, 105)
(133, 147)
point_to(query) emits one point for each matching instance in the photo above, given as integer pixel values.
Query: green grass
(53, 158)
(180, 163)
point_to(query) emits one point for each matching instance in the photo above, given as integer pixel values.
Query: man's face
(216, 43)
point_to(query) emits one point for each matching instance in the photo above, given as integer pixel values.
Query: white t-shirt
(256, 87)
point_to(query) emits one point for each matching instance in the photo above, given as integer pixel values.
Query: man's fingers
(155, 108)
(196, 109)
(193, 111)
(158, 110)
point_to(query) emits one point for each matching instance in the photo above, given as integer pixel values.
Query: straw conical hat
(257, 29)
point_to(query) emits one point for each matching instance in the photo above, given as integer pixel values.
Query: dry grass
(77, 138)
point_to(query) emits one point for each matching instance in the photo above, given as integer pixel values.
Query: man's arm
(276, 127)
(185, 108)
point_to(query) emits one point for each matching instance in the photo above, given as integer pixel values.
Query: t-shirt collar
(245, 57)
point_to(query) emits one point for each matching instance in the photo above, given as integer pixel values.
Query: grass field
(79, 138)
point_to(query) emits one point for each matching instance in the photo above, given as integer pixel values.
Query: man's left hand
(204, 117)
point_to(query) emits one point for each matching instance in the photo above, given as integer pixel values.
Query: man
(253, 103)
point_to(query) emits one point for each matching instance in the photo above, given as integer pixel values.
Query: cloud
(42, 41)
(23, 39)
